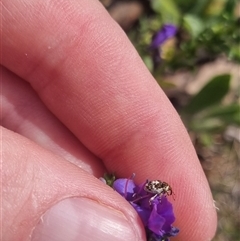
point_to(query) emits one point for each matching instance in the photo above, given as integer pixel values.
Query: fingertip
(36, 182)
(84, 219)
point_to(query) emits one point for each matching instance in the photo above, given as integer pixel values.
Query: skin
(77, 95)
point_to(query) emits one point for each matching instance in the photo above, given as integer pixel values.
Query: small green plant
(206, 30)
(205, 114)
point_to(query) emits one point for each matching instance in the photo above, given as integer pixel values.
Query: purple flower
(156, 213)
(167, 31)
(125, 187)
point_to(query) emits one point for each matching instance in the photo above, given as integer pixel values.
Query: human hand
(68, 68)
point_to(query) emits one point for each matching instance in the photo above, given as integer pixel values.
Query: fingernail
(77, 219)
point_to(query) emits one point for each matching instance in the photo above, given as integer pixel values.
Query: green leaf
(185, 5)
(109, 178)
(167, 9)
(148, 62)
(230, 6)
(199, 6)
(229, 114)
(212, 93)
(193, 24)
(206, 139)
(215, 7)
(207, 125)
(234, 52)
(235, 119)
(223, 111)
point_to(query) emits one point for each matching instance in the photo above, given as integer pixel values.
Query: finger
(48, 198)
(24, 113)
(87, 73)
(110, 109)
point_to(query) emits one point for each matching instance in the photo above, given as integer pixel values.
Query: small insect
(158, 188)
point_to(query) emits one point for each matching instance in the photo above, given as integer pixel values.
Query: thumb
(48, 198)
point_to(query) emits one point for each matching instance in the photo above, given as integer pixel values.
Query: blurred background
(192, 48)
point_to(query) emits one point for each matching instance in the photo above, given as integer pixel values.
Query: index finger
(88, 74)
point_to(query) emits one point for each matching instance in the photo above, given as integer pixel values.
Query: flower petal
(125, 187)
(174, 231)
(156, 221)
(165, 209)
(166, 32)
(142, 212)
